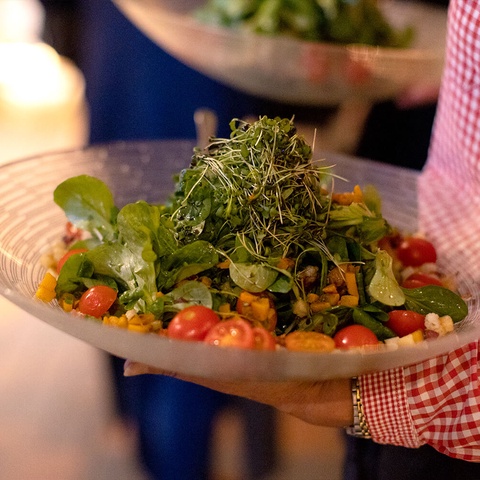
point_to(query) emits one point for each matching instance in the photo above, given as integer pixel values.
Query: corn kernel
(135, 320)
(147, 318)
(417, 336)
(67, 302)
(49, 281)
(139, 328)
(45, 295)
(46, 288)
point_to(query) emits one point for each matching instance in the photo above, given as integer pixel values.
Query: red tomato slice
(97, 300)
(403, 322)
(236, 332)
(74, 251)
(192, 323)
(263, 339)
(418, 279)
(413, 252)
(354, 336)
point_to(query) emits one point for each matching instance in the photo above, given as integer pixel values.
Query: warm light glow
(31, 74)
(42, 101)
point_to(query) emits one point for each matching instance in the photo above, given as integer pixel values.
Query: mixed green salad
(339, 21)
(254, 232)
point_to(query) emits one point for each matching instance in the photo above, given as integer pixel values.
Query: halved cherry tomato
(62, 260)
(414, 251)
(236, 332)
(403, 322)
(97, 300)
(354, 336)
(418, 279)
(300, 341)
(263, 339)
(192, 323)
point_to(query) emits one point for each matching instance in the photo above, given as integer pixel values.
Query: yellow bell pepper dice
(46, 288)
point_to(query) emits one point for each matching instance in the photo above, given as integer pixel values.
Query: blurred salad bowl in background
(366, 54)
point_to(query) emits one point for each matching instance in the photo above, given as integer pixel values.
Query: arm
(438, 401)
(326, 403)
(435, 402)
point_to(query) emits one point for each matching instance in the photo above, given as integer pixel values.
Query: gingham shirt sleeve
(438, 401)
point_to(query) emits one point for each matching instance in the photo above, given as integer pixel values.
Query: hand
(327, 403)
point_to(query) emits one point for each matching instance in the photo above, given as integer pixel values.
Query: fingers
(321, 403)
(243, 389)
(272, 393)
(132, 369)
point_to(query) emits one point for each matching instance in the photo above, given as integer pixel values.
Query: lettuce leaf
(88, 204)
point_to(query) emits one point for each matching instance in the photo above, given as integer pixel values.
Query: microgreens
(262, 186)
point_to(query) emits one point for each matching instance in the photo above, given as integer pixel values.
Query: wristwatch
(359, 428)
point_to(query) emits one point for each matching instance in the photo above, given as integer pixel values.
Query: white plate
(288, 70)
(30, 222)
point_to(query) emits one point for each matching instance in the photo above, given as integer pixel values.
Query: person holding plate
(435, 402)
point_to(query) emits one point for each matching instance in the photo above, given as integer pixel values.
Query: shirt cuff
(385, 406)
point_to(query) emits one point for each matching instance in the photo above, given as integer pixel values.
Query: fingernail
(131, 368)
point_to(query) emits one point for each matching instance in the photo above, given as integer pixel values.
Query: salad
(339, 21)
(254, 249)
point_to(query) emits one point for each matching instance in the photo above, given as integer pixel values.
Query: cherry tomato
(74, 251)
(192, 323)
(263, 339)
(354, 336)
(97, 300)
(300, 341)
(418, 279)
(403, 322)
(72, 233)
(413, 252)
(236, 332)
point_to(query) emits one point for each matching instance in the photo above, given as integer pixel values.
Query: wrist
(327, 403)
(359, 427)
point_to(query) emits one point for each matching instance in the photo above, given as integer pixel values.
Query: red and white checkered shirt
(437, 402)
